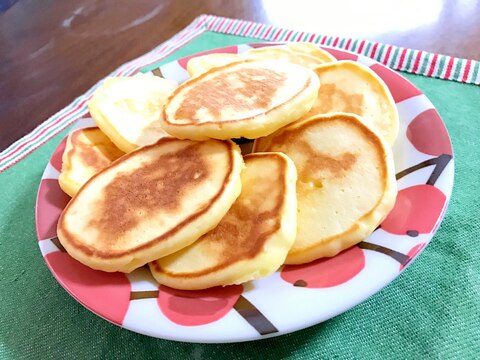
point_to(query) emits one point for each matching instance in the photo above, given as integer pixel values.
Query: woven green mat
(431, 311)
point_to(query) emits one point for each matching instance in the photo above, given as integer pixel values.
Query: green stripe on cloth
(430, 311)
(476, 73)
(440, 69)
(425, 64)
(367, 48)
(394, 58)
(457, 69)
(409, 62)
(380, 51)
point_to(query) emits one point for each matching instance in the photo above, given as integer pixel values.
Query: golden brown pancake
(312, 50)
(87, 152)
(253, 238)
(201, 64)
(242, 99)
(348, 86)
(127, 109)
(286, 53)
(305, 54)
(346, 182)
(151, 202)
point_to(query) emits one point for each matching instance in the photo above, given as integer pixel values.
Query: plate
(295, 297)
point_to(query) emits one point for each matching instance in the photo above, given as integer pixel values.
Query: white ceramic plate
(294, 297)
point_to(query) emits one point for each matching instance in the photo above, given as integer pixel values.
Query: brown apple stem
(58, 244)
(157, 72)
(254, 317)
(398, 256)
(440, 163)
(144, 294)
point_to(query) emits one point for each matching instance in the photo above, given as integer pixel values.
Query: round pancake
(87, 152)
(251, 241)
(302, 53)
(346, 182)
(313, 50)
(283, 53)
(127, 109)
(242, 99)
(201, 64)
(151, 202)
(348, 86)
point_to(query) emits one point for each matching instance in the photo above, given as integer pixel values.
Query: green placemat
(431, 311)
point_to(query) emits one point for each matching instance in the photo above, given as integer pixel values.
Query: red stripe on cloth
(324, 39)
(387, 55)
(362, 44)
(288, 35)
(374, 50)
(432, 65)
(248, 28)
(417, 62)
(310, 39)
(220, 24)
(402, 58)
(349, 42)
(239, 27)
(449, 68)
(229, 26)
(261, 27)
(269, 29)
(466, 70)
(300, 35)
(335, 42)
(277, 34)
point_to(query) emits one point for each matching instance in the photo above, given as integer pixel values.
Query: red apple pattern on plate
(412, 222)
(107, 294)
(326, 272)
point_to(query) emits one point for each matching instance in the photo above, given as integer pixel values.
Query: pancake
(251, 241)
(302, 53)
(346, 182)
(201, 64)
(150, 203)
(87, 152)
(284, 52)
(348, 86)
(312, 50)
(127, 109)
(242, 99)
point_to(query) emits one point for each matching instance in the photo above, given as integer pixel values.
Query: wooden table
(52, 51)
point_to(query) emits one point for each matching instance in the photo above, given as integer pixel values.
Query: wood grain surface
(52, 51)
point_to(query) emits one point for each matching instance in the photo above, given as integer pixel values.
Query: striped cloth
(398, 58)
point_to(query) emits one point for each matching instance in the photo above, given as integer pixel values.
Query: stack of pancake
(162, 181)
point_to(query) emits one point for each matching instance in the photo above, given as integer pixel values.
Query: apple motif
(326, 272)
(51, 201)
(400, 88)
(56, 159)
(417, 210)
(197, 307)
(107, 294)
(200, 307)
(428, 134)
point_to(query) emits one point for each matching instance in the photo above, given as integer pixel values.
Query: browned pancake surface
(244, 230)
(160, 183)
